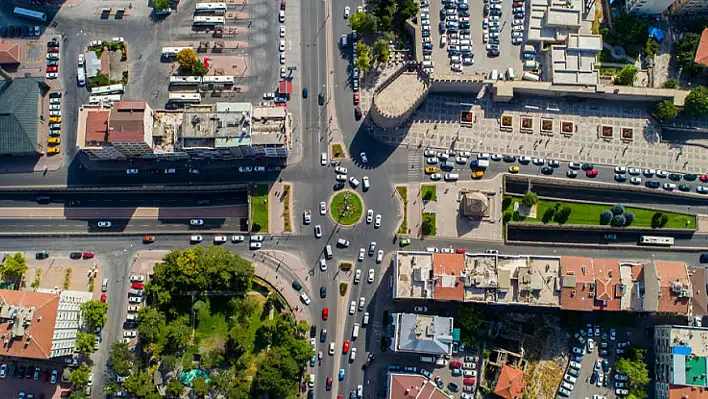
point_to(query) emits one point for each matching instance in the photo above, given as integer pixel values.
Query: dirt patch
(64, 273)
(116, 66)
(547, 356)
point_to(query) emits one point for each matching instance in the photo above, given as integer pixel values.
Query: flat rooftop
(412, 275)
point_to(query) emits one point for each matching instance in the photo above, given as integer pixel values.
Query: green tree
(140, 385)
(277, 374)
(406, 9)
(651, 47)
(93, 314)
(629, 216)
(200, 69)
(605, 217)
(152, 325)
(160, 4)
(79, 376)
(632, 364)
(471, 317)
(617, 209)
(363, 22)
(200, 387)
(696, 102)
(168, 364)
(174, 388)
(85, 342)
(77, 395)
(382, 51)
(427, 226)
(618, 220)
(562, 214)
(665, 110)
(222, 381)
(188, 60)
(14, 267)
(671, 84)
(686, 53)
(626, 76)
(239, 391)
(178, 334)
(120, 358)
(530, 199)
(363, 58)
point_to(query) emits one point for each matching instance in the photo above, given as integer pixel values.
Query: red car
(356, 98)
(282, 5)
(137, 286)
(103, 298)
(461, 251)
(704, 178)
(468, 381)
(52, 69)
(345, 349)
(329, 383)
(455, 365)
(88, 255)
(325, 314)
(591, 173)
(53, 49)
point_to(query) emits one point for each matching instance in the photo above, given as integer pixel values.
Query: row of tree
(695, 104)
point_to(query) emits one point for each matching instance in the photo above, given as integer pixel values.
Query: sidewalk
(415, 212)
(274, 267)
(277, 206)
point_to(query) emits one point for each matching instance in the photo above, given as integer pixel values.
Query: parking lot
(509, 54)
(596, 374)
(41, 380)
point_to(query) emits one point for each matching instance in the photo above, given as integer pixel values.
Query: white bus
(655, 240)
(81, 76)
(226, 80)
(185, 80)
(185, 98)
(23, 12)
(213, 8)
(105, 99)
(112, 89)
(212, 21)
(169, 52)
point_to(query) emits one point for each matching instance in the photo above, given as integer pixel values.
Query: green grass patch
(212, 328)
(403, 192)
(429, 192)
(606, 56)
(342, 289)
(337, 151)
(259, 208)
(346, 266)
(287, 227)
(589, 214)
(429, 226)
(346, 208)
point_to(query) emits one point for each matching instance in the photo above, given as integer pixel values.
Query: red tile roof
(577, 297)
(608, 284)
(686, 392)
(126, 126)
(97, 126)
(131, 105)
(672, 273)
(9, 53)
(699, 300)
(510, 383)
(446, 270)
(410, 386)
(702, 51)
(40, 329)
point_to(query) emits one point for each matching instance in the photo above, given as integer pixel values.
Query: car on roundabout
(369, 216)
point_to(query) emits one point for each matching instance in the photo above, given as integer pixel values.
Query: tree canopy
(530, 199)
(160, 4)
(686, 53)
(632, 364)
(696, 102)
(14, 267)
(190, 63)
(79, 376)
(626, 76)
(363, 22)
(381, 51)
(665, 110)
(120, 358)
(363, 58)
(85, 342)
(471, 317)
(140, 385)
(93, 314)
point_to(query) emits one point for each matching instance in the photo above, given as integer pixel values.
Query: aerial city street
(337, 199)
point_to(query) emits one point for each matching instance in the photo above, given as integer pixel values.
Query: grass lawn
(259, 208)
(346, 216)
(337, 151)
(429, 226)
(429, 193)
(589, 214)
(403, 192)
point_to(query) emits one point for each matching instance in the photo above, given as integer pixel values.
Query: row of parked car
(20, 31)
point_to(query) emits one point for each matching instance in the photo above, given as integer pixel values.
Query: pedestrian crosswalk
(414, 166)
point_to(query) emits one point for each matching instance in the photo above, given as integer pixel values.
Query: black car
(675, 176)
(313, 331)
(684, 187)
(357, 113)
(464, 13)
(426, 33)
(690, 176)
(493, 53)
(619, 177)
(297, 286)
(453, 387)
(323, 335)
(509, 158)
(25, 31)
(20, 372)
(547, 170)
(55, 94)
(486, 10)
(587, 166)
(572, 174)
(75, 255)
(338, 186)
(321, 98)
(428, 45)
(323, 292)
(41, 255)
(442, 16)
(427, 52)
(28, 373)
(652, 184)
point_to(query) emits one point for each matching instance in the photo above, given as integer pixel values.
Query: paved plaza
(436, 124)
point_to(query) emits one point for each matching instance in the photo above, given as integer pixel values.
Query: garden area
(259, 208)
(346, 208)
(568, 212)
(428, 192)
(238, 344)
(428, 227)
(403, 192)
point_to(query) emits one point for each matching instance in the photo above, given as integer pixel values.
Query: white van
(343, 41)
(451, 176)
(494, 75)
(530, 64)
(531, 76)
(465, 42)
(366, 319)
(428, 359)
(355, 332)
(428, 64)
(328, 252)
(510, 74)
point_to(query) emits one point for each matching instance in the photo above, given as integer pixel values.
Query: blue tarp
(656, 33)
(681, 350)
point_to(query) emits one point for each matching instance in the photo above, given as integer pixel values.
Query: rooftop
(97, 126)
(702, 51)
(413, 386)
(9, 53)
(510, 383)
(413, 271)
(574, 63)
(422, 334)
(27, 323)
(126, 123)
(20, 115)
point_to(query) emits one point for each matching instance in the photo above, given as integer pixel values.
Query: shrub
(618, 209)
(548, 215)
(605, 217)
(342, 289)
(618, 220)
(507, 217)
(659, 220)
(530, 199)
(629, 216)
(561, 215)
(516, 217)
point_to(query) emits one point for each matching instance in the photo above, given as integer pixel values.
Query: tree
(471, 317)
(605, 217)
(363, 22)
(530, 199)
(140, 385)
(178, 334)
(85, 343)
(77, 395)
(200, 387)
(427, 227)
(671, 84)
(562, 214)
(93, 314)
(629, 216)
(651, 47)
(120, 358)
(160, 4)
(79, 376)
(406, 9)
(659, 220)
(14, 267)
(686, 53)
(277, 374)
(175, 388)
(618, 220)
(200, 69)
(626, 76)
(634, 367)
(188, 60)
(363, 58)
(152, 325)
(168, 364)
(618, 209)
(696, 103)
(665, 110)
(382, 52)
(222, 381)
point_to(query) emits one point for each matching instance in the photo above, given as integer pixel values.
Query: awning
(455, 335)
(285, 87)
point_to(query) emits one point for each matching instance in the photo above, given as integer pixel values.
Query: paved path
(277, 204)
(123, 213)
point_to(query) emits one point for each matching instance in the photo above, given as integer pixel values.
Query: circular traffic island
(346, 208)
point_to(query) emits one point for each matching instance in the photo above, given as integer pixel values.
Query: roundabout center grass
(346, 211)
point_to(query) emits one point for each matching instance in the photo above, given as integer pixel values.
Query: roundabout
(346, 208)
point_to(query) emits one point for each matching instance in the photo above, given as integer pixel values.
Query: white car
(81, 60)
(341, 177)
(220, 239)
(255, 245)
(135, 299)
(347, 10)
(318, 231)
(354, 182)
(443, 40)
(331, 348)
(235, 239)
(118, 40)
(323, 158)
(352, 307)
(323, 208)
(575, 365)
(133, 309)
(341, 170)
(517, 28)
(104, 224)
(306, 300)
(377, 223)
(357, 276)
(362, 253)
(196, 222)
(130, 334)
(635, 180)
(365, 179)
(281, 46)
(257, 238)
(281, 16)
(369, 216)
(372, 247)
(323, 265)
(620, 170)
(362, 301)
(51, 75)
(282, 31)
(436, 176)
(364, 159)
(359, 9)
(371, 274)
(283, 71)
(282, 58)
(379, 256)
(352, 356)
(432, 161)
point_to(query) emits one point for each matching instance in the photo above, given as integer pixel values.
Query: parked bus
(185, 97)
(185, 80)
(209, 21)
(655, 240)
(226, 80)
(105, 99)
(212, 8)
(112, 89)
(31, 14)
(169, 52)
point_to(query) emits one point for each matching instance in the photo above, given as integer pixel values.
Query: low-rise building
(681, 361)
(123, 132)
(10, 54)
(412, 386)
(574, 62)
(647, 7)
(422, 334)
(21, 116)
